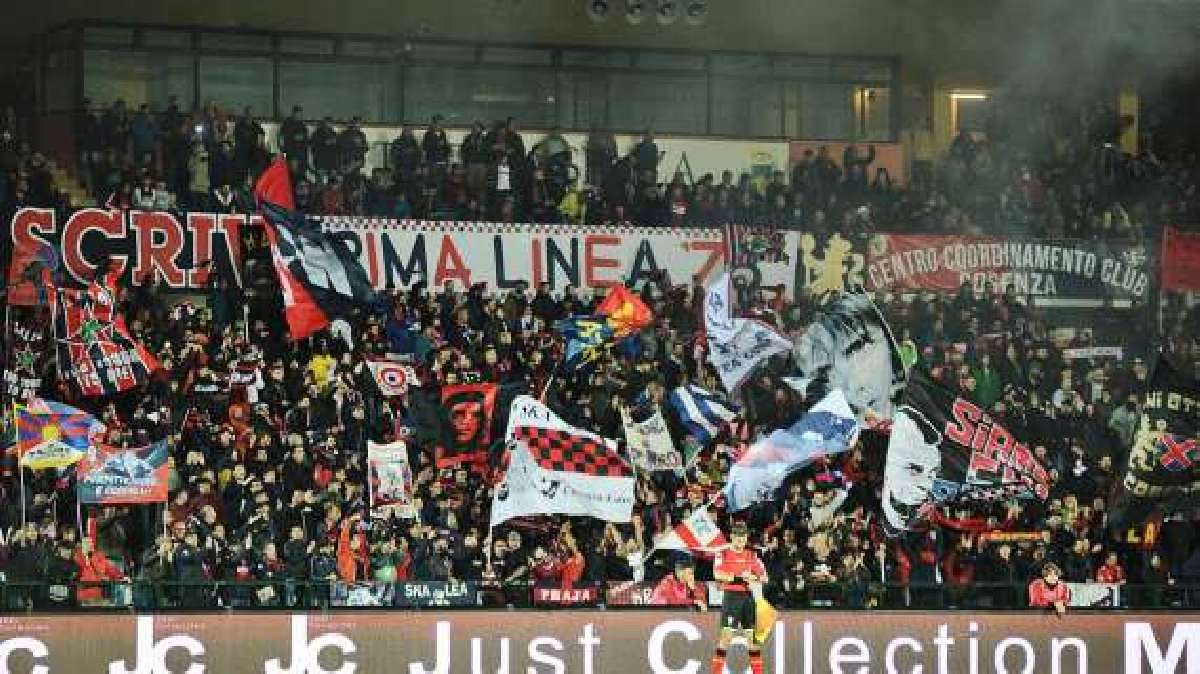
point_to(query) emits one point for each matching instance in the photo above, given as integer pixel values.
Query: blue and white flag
(702, 412)
(736, 345)
(736, 357)
(828, 428)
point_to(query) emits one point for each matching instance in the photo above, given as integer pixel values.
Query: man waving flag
(319, 275)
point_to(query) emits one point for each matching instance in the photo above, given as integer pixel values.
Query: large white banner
(582, 487)
(398, 253)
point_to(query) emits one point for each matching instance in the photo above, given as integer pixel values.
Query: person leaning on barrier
(1049, 592)
(681, 588)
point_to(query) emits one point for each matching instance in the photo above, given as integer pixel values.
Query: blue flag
(828, 428)
(702, 412)
(586, 336)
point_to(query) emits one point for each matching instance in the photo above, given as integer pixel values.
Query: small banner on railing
(427, 594)
(558, 596)
(1095, 595)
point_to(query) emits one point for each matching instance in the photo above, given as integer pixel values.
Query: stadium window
(971, 110)
(167, 39)
(61, 79)
(822, 111)
(596, 58)
(339, 90)
(651, 60)
(235, 82)
(517, 56)
(435, 51)
(874, 108)
(300, 45)
(741, 108)
(741, 65)
(664, 103)
(109, 36)
(235, 42)
(583, 100)
(136, 77)
(463, 95)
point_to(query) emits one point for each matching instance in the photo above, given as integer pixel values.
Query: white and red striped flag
(698, 533)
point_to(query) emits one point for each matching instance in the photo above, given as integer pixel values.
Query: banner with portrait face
(467, 409)
(945, 449)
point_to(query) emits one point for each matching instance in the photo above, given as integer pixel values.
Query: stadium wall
(590, 642)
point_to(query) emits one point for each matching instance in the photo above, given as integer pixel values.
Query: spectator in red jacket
(94, 569)
(1049, 592)
(1111, 572)
(680, 588)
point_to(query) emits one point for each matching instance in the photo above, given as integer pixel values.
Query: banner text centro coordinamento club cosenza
(1068, 269)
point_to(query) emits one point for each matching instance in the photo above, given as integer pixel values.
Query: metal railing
(300, 594)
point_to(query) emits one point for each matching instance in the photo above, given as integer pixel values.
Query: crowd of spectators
(1041, 169)
(268, 467)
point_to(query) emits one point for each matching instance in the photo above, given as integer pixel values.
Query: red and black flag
(1164, 462)
(95, 349)
(565, 451)
(319, 275)
(467, 424)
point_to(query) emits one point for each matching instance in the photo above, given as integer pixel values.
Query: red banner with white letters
(1181, 261)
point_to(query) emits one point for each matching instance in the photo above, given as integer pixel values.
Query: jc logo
(36, 648)
(152, 655)
(305, 654)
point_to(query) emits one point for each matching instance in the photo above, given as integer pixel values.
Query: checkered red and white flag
(557, 469)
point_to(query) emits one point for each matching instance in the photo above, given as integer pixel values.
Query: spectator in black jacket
(61, 573)
(435, 146)
(405, 156)
(293, 141)
(352, 146)
(325, 148)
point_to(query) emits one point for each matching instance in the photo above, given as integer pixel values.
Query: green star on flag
(25, 359)
(89, 329)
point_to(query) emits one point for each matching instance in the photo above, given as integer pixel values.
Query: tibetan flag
(54, 435)
(626, 312)
(319, 275)
(586, 336)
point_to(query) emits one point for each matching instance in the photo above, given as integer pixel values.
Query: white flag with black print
(649, 442)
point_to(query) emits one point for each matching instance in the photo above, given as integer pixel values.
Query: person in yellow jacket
(572, 204)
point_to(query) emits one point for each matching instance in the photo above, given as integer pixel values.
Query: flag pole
(16, 420)
(21, 470)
